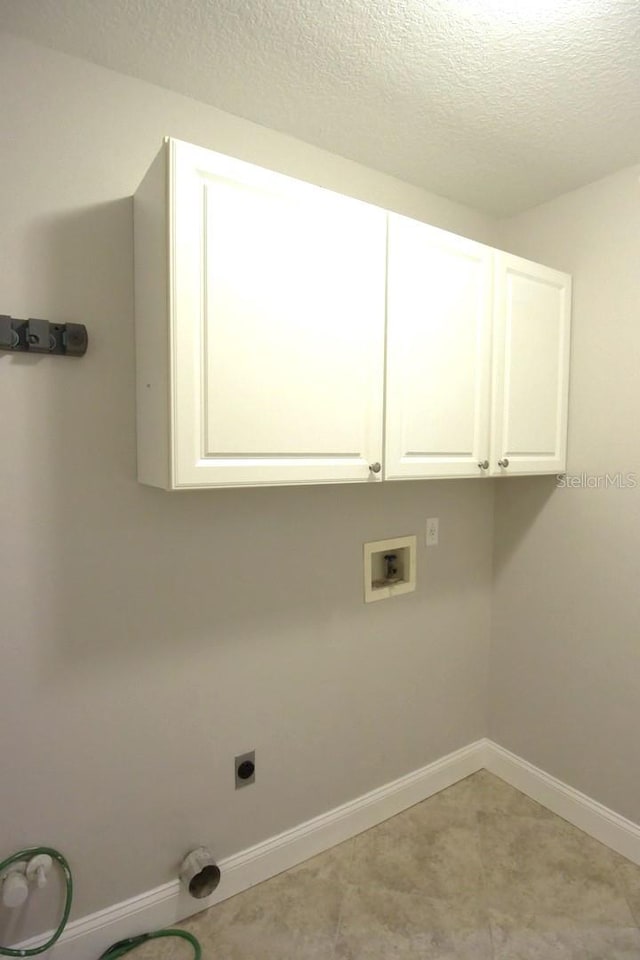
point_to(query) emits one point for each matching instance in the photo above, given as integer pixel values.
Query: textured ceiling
(500, 104)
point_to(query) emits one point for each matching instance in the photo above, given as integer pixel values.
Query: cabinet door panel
(279, 361)
(531, 367)
(438, 352)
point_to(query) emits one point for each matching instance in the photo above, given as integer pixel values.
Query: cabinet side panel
(152, 325)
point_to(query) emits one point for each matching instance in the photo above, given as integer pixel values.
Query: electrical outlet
(245, 767)
(432, 532)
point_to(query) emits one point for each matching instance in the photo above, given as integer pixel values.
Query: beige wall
(149, 637)
(565, 668)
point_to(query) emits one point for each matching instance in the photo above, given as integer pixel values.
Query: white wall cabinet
(280, 327)
(260, 317)
(477, 359)
(532, 316)
(439, 314)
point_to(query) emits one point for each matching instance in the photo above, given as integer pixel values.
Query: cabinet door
(531, 367)
(438, 353)
(278, 327)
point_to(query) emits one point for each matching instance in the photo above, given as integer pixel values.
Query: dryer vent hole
(205, 882)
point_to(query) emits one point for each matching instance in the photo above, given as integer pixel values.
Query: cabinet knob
(503, 463)
(375, 467)
(484, 464)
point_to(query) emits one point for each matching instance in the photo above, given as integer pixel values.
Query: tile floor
(477, 872)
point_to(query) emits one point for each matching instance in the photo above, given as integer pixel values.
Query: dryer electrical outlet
(245, 768)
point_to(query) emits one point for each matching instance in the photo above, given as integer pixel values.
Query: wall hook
(40, 336)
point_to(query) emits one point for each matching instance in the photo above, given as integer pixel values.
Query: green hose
(116, 950)
(66, 869)
(125, 946)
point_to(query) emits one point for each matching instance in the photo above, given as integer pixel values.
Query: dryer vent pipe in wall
(200, 873)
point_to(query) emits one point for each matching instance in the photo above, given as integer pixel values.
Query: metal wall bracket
(40, 336)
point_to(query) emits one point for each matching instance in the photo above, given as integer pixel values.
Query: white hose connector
(38, 869)
(200, 873)
(15, 887)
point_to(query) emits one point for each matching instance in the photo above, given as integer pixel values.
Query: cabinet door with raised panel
(277, 325)
(438, 353)
(530, 367)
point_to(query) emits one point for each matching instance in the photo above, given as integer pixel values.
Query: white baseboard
(87, 938)
(595, 819)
